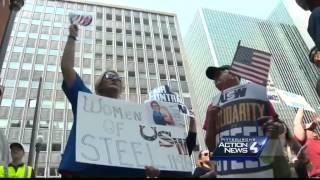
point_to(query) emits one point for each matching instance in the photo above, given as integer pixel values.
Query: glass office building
(142, 46)
(212, 41)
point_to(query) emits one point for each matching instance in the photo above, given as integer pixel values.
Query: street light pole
(15, 6)
(34, 126)
(38, 146)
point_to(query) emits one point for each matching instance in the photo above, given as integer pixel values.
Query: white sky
(186, 9)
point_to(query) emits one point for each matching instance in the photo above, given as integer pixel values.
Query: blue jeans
(314, 26)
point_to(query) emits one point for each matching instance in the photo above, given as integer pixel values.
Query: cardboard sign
(294, 100)
(113, 132)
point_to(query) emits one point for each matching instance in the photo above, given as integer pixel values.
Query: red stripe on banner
(251, 68)
(257, 65)
(262, 55)
(253, 79)
(248, 72)
(261, 61)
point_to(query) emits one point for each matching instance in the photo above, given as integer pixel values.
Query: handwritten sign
(294, 100)
(112, 132)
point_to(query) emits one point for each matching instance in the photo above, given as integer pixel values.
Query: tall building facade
(212, 41)
(142, 46)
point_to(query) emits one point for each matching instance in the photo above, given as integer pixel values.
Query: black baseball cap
(212, 72)
(18, 145)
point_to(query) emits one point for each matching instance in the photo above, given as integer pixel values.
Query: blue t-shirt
(68, 162)
(158, 118)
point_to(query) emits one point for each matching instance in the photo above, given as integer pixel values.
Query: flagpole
(239, 42)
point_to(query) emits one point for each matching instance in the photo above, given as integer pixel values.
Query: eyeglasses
(112, 77)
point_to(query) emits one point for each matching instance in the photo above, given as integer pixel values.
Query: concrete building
(142, 46)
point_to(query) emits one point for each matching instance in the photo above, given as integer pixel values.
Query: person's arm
(67, 60)
(210, 174)
(210, 139)
(298, 126)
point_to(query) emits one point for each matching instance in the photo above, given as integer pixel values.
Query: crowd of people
(299, 150)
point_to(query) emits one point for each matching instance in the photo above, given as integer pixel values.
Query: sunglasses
(205, 154)
(113, 77)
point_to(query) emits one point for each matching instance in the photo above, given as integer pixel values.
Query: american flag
(251, 64)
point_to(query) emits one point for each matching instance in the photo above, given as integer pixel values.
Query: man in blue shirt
(108, 85)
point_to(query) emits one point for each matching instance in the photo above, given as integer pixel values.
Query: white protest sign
(294, 100)
(112, 132)
(164, 94)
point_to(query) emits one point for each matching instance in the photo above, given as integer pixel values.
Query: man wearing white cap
(16, 169)
(306, 135)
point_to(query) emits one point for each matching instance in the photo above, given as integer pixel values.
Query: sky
(186, 9)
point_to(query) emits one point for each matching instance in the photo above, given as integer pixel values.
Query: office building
(142, 46)
(212, 41)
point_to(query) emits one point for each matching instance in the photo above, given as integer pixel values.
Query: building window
(174, 38)
(156, 35)
(147, 34)
(109, 16)
(99, 28)
(98, 41)
(40, 171)
(118, 18)
(138, 33)
(132, 90)
(99, 15)
(165, 36)
(140, 59)
(119, 43)
(168, 49)
(143, 90)
(145, 21)
(170, 62)
(158, 48)
(182, 78)
(129, 32)
(163, 76)
(129, 44)
(179, 63)
(127, 19)
(131, 74)
(109, 56)
(173, 77)
(149, 46)
(139, 45)
(118, 30)
(177, 50)
(150, 60)
(130, 58)
(109, 29)
(136, 20)
(160, 61)
(56, 147)
(109, 43)
(98, 55)
(119, 58)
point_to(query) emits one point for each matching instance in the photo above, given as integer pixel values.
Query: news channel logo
(239, 148)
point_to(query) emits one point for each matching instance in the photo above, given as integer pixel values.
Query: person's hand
(151, 172)
(73, 31)
(213, 110)
(273, 129)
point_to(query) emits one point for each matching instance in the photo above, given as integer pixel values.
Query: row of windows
(137, 32)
